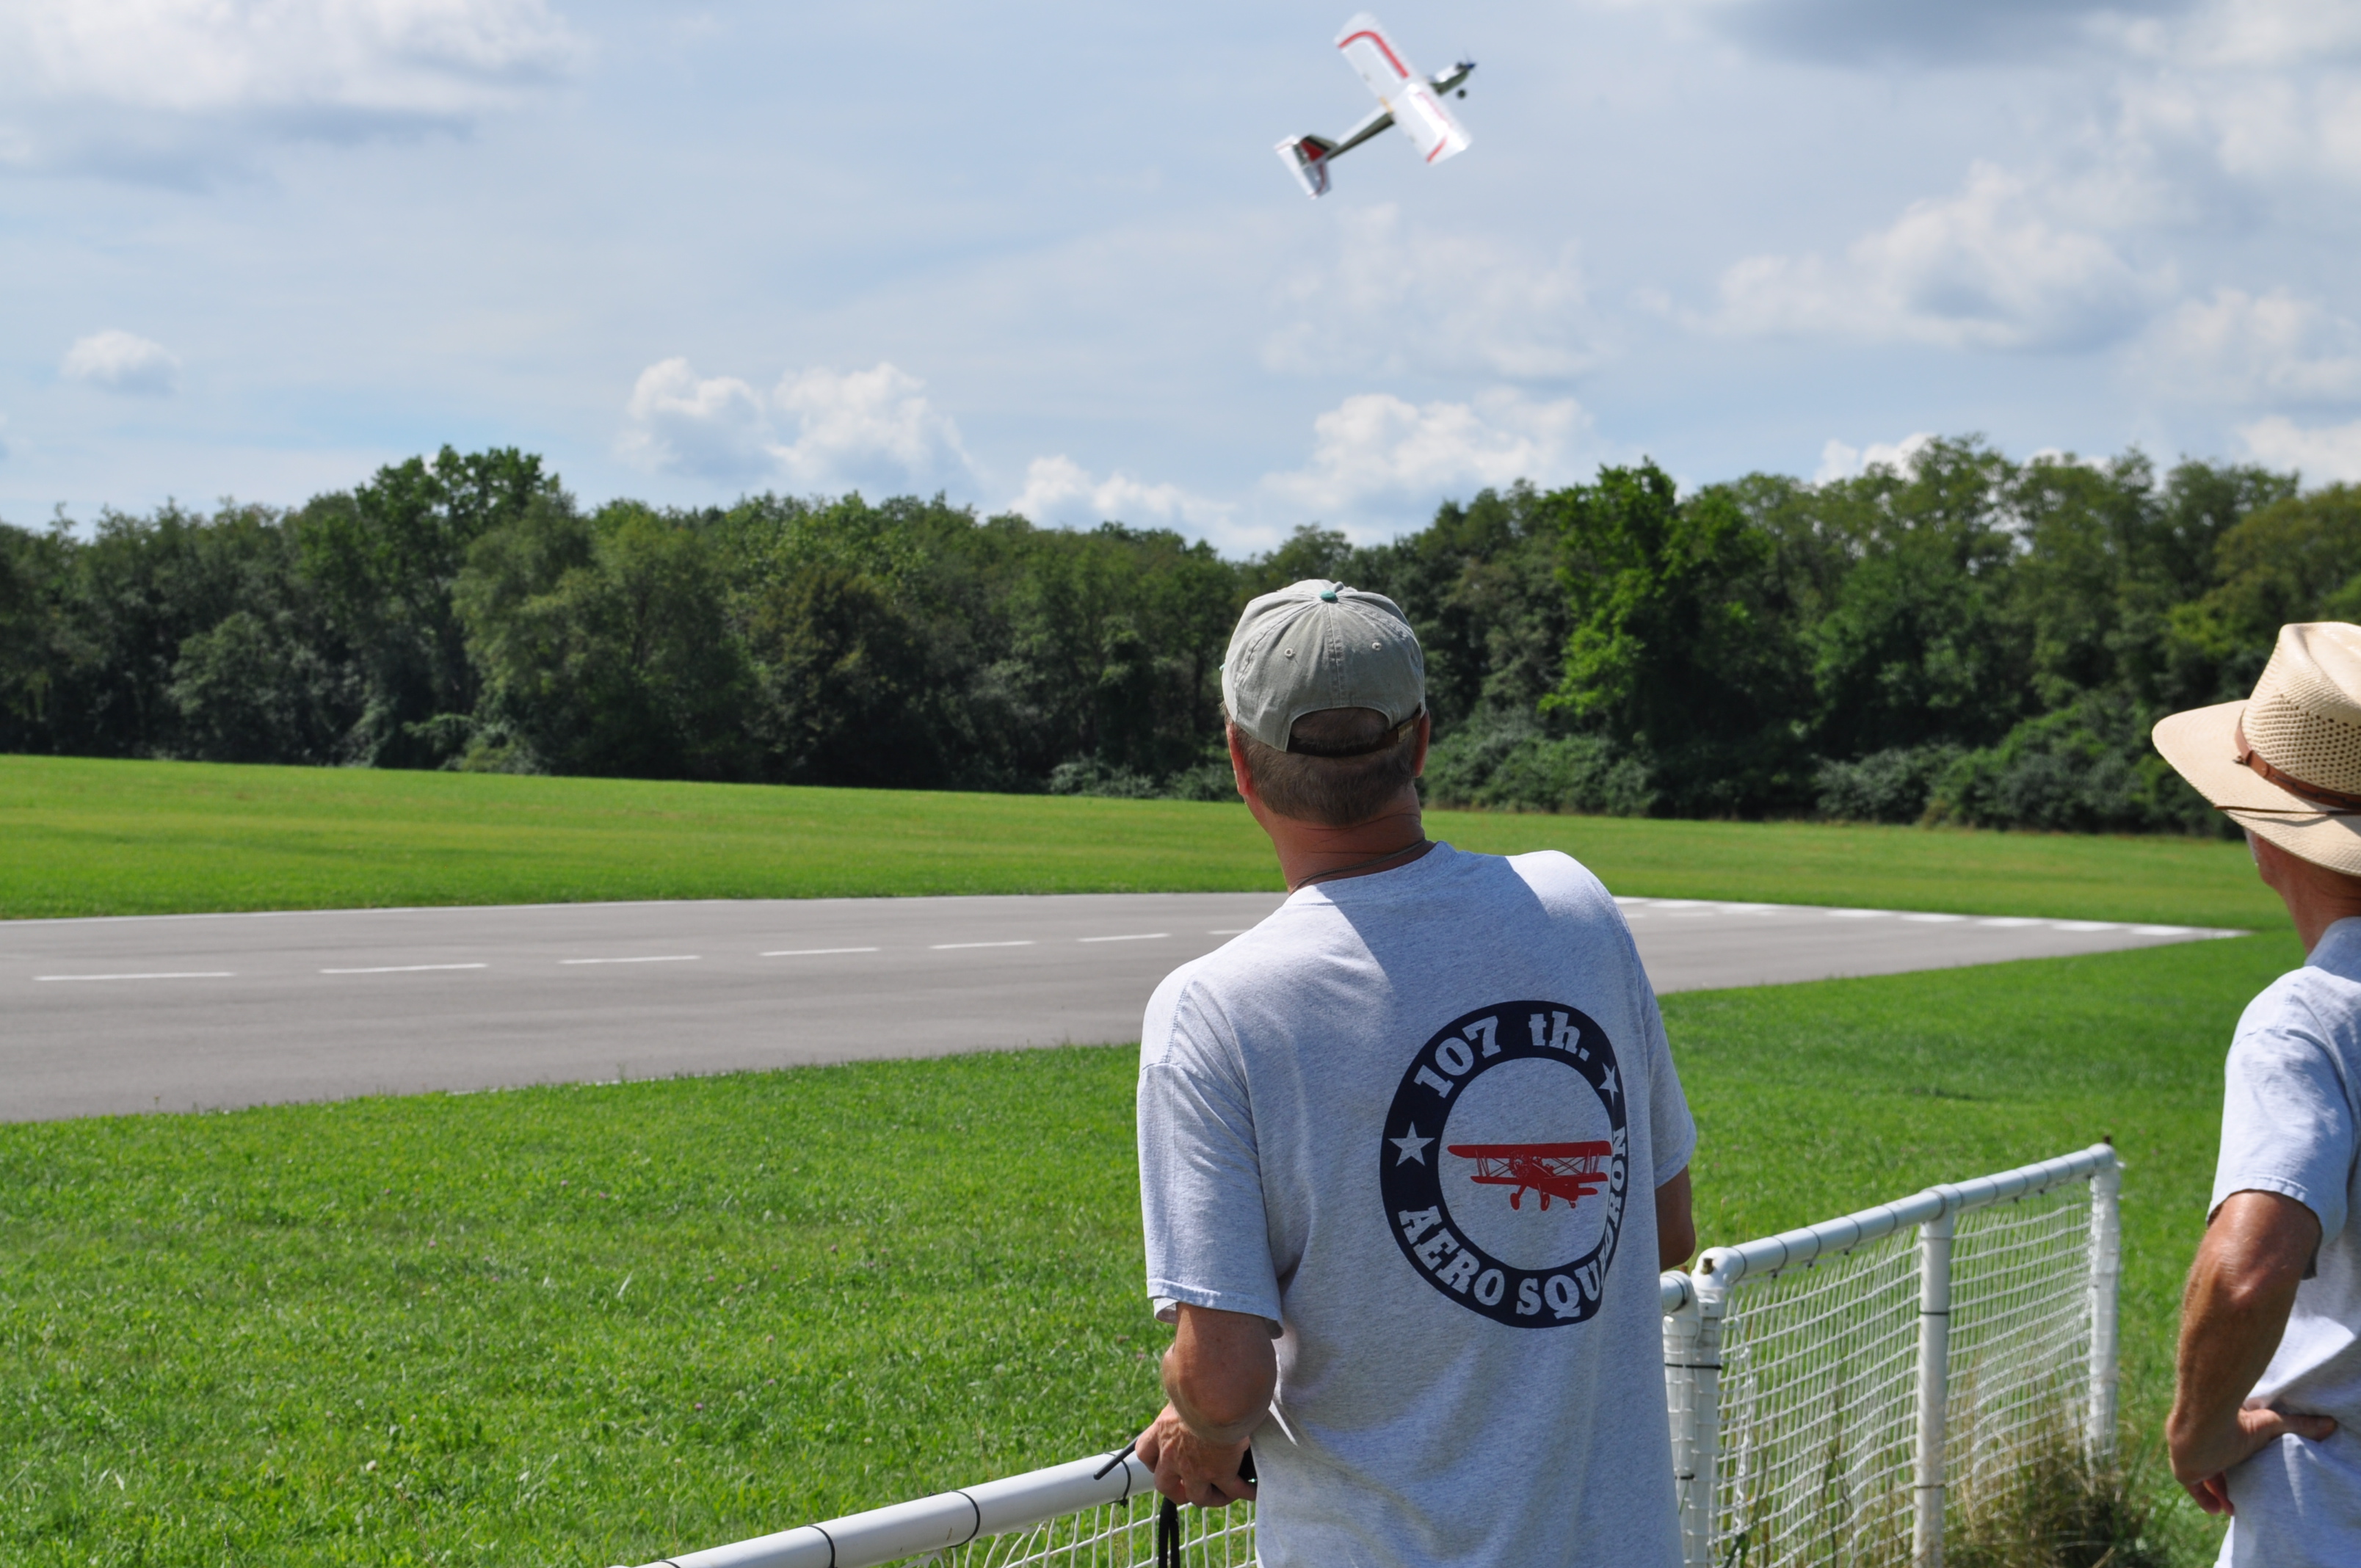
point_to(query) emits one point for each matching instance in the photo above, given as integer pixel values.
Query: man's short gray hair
(1340, 791)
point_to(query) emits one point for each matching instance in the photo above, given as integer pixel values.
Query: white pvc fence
(1830, 1388)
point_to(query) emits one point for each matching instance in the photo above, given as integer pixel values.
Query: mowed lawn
(596, 1325)
(113, 838)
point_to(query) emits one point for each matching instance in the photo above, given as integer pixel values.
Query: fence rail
(1831, 1390)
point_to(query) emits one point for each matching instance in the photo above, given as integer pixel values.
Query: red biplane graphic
(1571, 1171)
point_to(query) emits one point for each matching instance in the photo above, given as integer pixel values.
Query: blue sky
(1042, 256)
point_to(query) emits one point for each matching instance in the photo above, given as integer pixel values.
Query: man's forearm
(2227, 1335)
(1220, 1374)
(2241, 1289)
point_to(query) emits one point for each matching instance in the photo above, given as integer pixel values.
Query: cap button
(1328, 595)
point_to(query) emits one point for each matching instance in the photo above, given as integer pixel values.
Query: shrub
(1507, 762)
(2087, 768)
(1892, 785)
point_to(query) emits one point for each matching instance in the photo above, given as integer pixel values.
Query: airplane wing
(1410, 99)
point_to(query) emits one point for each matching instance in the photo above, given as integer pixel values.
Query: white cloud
(118, 361)
(2236, 348)
(1397, 297)
(2323, 452)
(111, 80)
(1838, 461)
(1374, 453)
(1986, 269)
(1060, 492)
(855, 429)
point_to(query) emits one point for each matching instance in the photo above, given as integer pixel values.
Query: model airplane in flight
(1404, 98)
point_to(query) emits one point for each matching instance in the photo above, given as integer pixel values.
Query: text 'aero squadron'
(1566, 1171)
(1404, 98)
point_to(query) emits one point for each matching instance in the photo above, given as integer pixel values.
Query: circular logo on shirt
(1503, 1163)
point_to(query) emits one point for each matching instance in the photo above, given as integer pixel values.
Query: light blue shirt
(2292, 1125)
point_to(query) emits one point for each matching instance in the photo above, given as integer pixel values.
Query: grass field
(592, 1325)
(113, 838)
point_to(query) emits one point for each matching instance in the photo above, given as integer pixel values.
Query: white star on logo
(1609, 1085)
(1412, 1146)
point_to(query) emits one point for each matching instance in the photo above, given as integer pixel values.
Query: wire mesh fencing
(1833, 1392)
(1116, 1535)
(1846, 1388)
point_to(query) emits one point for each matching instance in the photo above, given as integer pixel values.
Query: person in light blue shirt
(2266, 1423)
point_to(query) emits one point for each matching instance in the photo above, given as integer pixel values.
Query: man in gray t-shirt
(1411, 1153)
(2262, 1424)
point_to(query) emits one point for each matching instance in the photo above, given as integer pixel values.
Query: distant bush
(1892, 785)
(1508, 762)
(2085, 769)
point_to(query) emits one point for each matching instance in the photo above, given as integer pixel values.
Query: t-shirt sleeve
(1200, 1199)
(2287, 1120)
(1672, 1132)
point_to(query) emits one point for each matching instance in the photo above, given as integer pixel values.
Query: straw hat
(2286, 763)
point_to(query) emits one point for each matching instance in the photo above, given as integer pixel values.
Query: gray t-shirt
(1416, 1120)
(2292, 1125)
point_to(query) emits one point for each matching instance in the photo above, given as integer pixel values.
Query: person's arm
(2241, 1289)
(1219, 1377)
(1675, 1227)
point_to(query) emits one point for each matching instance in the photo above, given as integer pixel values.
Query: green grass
(591, 1325)
(113, 838)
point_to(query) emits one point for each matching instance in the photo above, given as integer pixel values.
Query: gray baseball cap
(1315, 646)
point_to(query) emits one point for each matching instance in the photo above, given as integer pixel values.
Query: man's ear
(1425, 735)
(1238, 767)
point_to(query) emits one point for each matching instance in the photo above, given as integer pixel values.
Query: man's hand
(1188, 1468)
(2241, 1289)
(1219, 1376)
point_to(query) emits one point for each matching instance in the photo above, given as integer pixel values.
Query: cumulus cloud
(815, 430)
(120, 80)
(124, 362)
(1988, 268)
(1378, 453)
(1395, 298)
(2236, 348)
(1928, 32)
(1060, 492)
(1838, 461)
(2330, 453)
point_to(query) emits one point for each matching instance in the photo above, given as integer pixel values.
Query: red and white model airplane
(1404, 98)
(1567, 1171)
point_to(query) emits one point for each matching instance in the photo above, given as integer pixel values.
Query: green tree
(385, 559)
(604, 645)
(1682, 647)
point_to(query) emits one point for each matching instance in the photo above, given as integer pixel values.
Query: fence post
(1690, 1376)
(2106, 1274)
(1934, 1383)
(1703, 1488)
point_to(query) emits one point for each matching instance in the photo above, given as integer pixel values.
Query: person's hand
(2201, 1464)
(1188, 1468)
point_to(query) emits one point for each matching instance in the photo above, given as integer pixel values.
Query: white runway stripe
(401, 968)
(180, 974)
(659, 958)
(1134, 937)
(949, 947)
(815, 953)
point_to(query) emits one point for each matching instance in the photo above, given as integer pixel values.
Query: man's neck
(1314, 852)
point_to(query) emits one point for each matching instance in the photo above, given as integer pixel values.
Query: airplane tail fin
(1307, 158)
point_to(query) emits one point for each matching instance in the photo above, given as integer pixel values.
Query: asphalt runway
(204, 1011)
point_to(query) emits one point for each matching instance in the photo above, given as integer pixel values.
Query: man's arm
(1219, 1377)
(2241, 1289)
(1676, 1228)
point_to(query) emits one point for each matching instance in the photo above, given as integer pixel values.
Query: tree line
(1966, 638)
